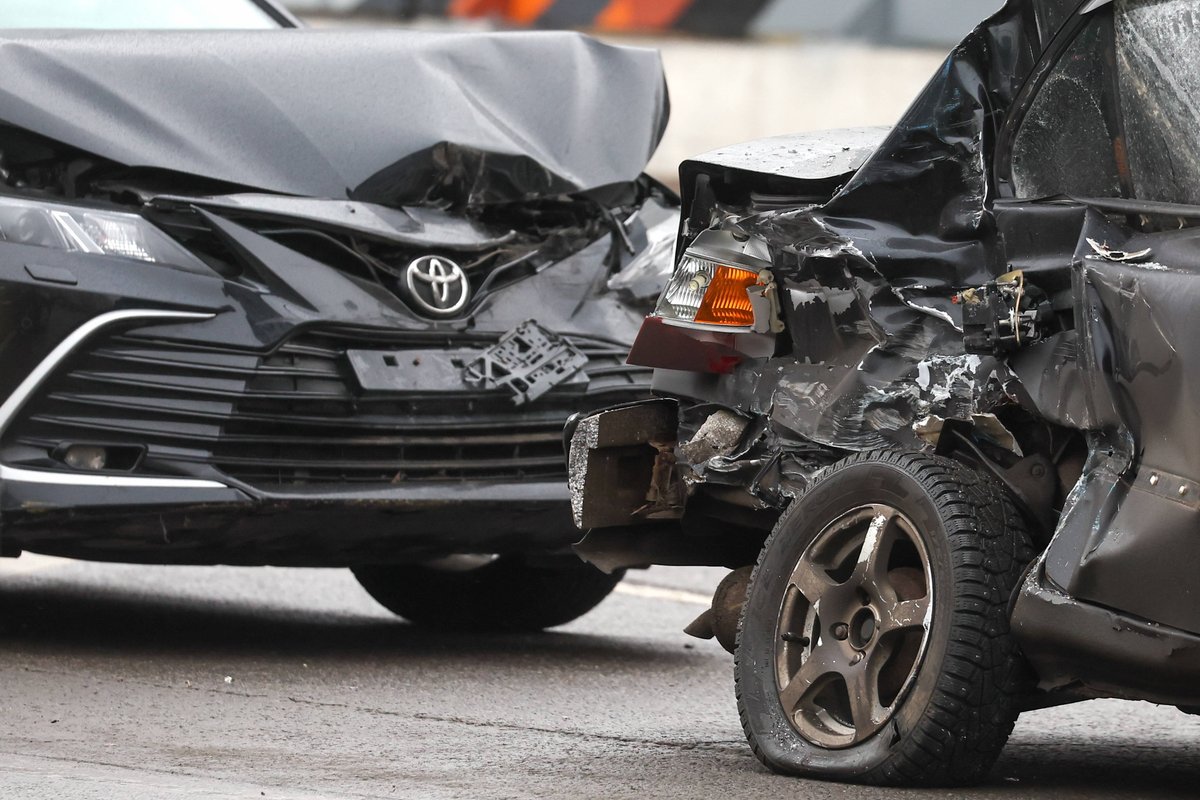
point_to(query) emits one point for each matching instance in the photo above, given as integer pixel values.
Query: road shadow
(59, 617)
(1055, 766)
(1041, 766)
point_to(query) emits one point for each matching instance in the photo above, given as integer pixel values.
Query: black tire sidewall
(779, 744)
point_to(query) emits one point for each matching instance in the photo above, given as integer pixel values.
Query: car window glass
(1065, 143)
(117, 14)
(1158, 66)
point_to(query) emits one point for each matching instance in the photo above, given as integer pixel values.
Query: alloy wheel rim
(853, 626)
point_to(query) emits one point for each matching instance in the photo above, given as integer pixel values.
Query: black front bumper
(252, 440)
(324, 526)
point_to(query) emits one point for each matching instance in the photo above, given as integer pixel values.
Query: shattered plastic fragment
(644, 276)
(1109, 254)
(718, 436)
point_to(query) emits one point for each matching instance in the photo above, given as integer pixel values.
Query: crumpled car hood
(391, 117)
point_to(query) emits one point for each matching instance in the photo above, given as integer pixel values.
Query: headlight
(86, 230)
(719, 284)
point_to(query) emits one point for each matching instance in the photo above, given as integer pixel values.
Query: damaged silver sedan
(931, 393)
(316, 297)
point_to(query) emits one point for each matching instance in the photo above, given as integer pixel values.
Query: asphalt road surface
(163, 683)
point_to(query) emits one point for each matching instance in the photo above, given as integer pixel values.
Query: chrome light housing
(717, 285)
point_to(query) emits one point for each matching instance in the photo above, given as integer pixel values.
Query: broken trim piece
(15, 475)
(604, 446)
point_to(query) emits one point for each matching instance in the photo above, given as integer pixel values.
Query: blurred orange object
(522, 12)
(721, 18)
(640, 15)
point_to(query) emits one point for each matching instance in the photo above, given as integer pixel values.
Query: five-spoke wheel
(874, 644)
(853, 625)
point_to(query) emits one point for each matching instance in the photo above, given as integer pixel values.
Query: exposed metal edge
(1092, 6)
(108, 481)
(34, 380)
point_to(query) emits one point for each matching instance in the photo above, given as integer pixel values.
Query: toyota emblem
(438, 285)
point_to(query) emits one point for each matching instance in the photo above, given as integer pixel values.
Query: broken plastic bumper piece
(528, 361)
(621, 465)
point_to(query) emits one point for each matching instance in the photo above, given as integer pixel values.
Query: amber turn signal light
(703, 293)
(727, 302)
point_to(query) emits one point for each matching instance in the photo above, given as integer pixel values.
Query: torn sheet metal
(1139, 326)
(331, 113)
(873, 274)
(919, 293)
(1025, 307)
(1109, 254)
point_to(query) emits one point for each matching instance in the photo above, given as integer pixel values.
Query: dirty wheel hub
(853, 626)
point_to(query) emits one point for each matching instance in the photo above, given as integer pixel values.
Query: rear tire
(874, 645)
(505, 594)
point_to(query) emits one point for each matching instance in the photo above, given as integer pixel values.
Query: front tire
(874, 646)
(507, 593)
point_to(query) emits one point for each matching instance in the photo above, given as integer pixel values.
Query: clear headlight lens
(706, 294)
(86, 230)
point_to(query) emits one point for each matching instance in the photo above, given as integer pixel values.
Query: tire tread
(974, 705)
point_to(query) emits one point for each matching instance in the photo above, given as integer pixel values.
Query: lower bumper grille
(296, 417)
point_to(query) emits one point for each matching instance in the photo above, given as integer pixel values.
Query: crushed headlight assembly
(722, 283)
(79, 229)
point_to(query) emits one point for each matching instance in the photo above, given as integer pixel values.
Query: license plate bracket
(528, 361)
